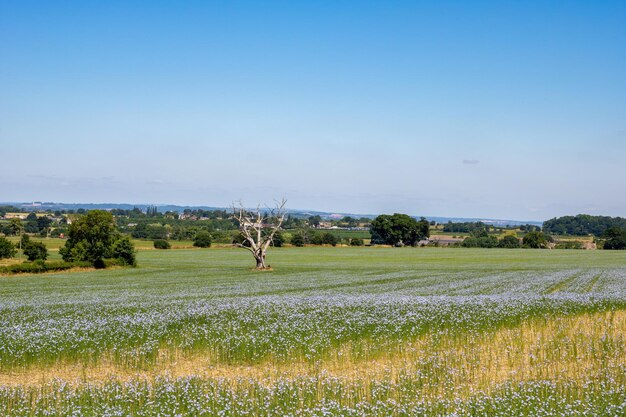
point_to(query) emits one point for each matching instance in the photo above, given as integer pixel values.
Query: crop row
(254, 328)
(318, 396)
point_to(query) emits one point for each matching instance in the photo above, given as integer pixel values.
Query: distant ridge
(38, 205)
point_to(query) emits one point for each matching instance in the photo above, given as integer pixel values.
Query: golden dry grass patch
(554, 348)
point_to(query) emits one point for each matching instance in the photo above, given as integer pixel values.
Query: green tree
(92, 237)
(398, 230)
(7, 249)
(509, 242)
(315, 221)
(16, 226)
(44, 222)
(24, 241)
(350, 221)
(124, 250)
(482, 240)
(583, 224)
(35, 251)
(536, 240)
(615, 238)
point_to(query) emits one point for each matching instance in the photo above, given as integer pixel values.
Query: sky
(511, 110)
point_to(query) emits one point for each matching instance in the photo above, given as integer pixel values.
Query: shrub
(537, 240)
(329, 239)
(509, 242)
(40, 266)
(569, 244)
(316, 239)
(36, 251)
(615, 238)
(7, 249)
(297, 240)
(24, 241)
(278, 240)
(480, 242)
(202, 240)
(162, 244)
(124, 251)
(356, 241)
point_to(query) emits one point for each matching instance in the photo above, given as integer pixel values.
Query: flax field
(328, 332)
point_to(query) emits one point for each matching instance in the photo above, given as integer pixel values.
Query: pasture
(330, 331)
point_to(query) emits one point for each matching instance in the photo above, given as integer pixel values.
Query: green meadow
(328, 331)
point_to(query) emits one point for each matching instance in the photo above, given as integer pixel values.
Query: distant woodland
(583, 225)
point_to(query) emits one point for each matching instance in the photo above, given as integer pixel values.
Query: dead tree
(258, 228)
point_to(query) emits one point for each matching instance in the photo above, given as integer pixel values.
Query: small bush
(36, 251)
(57, 232)
(278, 240)
(569, 244)
(162, 244)
(115, 262)
(537, 240)
(297, 240)
(316, 239)
(509, 242)
(24, 241)
(238, 238)
(357, 241)
(7, 249)
(202, 240)
(480, 242)
(40, 266)
(615, 239)
(329, 239)
(124, 251)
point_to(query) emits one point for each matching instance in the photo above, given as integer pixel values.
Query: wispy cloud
(471, 161)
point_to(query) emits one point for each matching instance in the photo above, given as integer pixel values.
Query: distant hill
(33, 206)
(493, 222)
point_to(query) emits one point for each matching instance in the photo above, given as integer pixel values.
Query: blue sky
(473, 109)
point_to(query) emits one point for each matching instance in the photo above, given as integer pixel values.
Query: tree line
(583, 225)
(95, 236)
(93, 239)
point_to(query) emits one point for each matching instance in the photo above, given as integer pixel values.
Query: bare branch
(253, 223)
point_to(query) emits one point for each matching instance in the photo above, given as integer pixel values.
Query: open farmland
(330, 331)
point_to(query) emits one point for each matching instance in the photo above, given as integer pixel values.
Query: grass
(347, 234)
(347, 331)
(54, 244)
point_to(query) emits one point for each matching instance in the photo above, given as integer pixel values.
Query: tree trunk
(260, 259)
(258, 229)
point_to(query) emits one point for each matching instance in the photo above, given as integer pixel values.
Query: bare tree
(258, 228)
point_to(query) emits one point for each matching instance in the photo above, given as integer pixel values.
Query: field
(54, 244)
(348, 234)
(330, 331)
